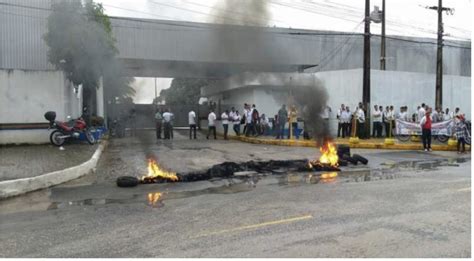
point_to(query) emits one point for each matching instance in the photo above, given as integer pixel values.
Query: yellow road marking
(465, 189)
(270, 223)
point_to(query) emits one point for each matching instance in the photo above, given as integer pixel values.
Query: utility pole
(366, 74)
(439, 54)
(382, 47)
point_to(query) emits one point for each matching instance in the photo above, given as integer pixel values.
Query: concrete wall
(345, 86)
(24, 98)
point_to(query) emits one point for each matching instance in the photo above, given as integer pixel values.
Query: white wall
(412, 89)
(26, 95)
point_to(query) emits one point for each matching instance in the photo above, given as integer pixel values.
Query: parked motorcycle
(67, 130)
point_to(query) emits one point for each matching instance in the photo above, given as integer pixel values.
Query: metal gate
(143, 115)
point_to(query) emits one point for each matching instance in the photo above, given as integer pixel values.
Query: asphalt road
(403, 204)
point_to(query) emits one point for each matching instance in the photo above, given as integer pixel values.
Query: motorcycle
(67, 130)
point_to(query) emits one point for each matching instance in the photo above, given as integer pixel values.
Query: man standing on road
(244, 118)
(255, 121)
(236, 119)
(345, 120)
(192, 123)
(249, 120)
(425, 124)
(158, 123)
(360, 117)
(282, 117)
(377, 117)
(225, 122)
(461, 134)
(167, 124)
(340, 122)
(421, 112)
(457, 112)
(211, 120)
(434, 114)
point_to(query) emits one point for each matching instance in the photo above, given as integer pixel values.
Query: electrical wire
(202, 26)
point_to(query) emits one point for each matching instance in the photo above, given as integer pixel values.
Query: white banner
(414, 128)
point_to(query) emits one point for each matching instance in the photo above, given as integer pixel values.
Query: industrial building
(30, 85)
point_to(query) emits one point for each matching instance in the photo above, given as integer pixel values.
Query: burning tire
(343, 150)
(349, 159)
(127, 181)
(360, 159)
(342, 163)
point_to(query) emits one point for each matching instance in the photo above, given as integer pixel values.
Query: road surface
(403, 204)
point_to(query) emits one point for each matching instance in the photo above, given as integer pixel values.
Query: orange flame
(329, 175)
(154, 171)
(329, 155)
(153, 198)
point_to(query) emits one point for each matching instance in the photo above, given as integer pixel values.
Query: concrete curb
(10, 188)
(360, 145)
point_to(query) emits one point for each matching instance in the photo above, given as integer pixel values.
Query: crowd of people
(164, 122)
(250, 122)
(384, 120)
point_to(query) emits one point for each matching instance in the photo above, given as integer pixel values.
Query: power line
(138, 12)
(203, 26)
(194, 11)
(230, 12)
(325, 60)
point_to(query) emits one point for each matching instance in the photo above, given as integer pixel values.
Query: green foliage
(80, 41)
(184, 91)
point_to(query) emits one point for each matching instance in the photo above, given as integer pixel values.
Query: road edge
(10, 188)
(360, 145)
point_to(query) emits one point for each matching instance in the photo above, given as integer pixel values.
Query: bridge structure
(162, 48)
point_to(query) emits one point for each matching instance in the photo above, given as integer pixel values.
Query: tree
(80, 41)
(184, 91)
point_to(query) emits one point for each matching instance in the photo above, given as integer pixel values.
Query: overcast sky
(404, 17)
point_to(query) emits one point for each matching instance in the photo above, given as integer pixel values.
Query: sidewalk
(28, 168)
(28, 161)
(362, 144)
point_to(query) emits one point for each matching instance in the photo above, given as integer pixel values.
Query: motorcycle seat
(64, 126)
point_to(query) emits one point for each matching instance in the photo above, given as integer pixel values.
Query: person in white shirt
(192, 123)
(248, 119)
(457, 112)
(232, 113)
(264, 124)
(236, 119)
(448, 115)
(211, 123)
(360, 117)
(403, 114)
(340, 123)
(421, 112)
(244, 117)
(167, 124)
(434, 115)
(346, 121)
(385, 120)
(325, 113)
(377, 122)
(225, 123)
